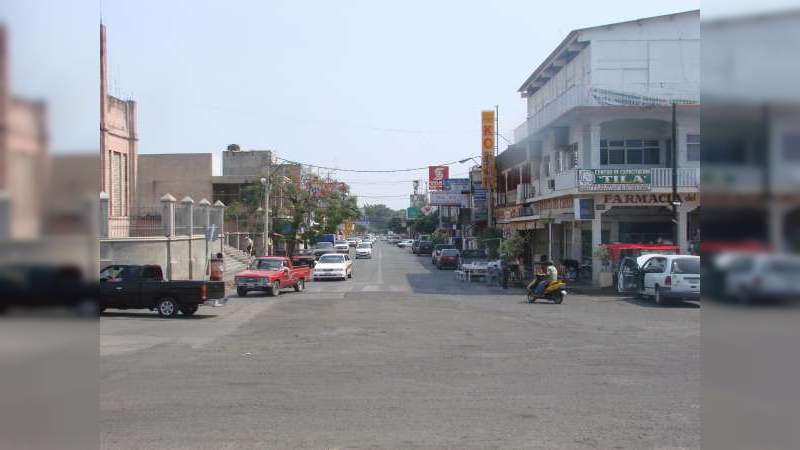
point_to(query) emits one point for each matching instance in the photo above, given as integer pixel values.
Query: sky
(368, 85)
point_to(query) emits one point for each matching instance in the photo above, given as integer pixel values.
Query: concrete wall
(172, 254)
(180, 174)
(245, 163)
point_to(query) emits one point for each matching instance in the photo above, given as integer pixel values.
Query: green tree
(337, 209)
(426, 224)
(395, 224)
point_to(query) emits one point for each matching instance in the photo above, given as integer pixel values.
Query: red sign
(436, 177)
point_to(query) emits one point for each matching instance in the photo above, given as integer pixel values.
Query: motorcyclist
(552, 275)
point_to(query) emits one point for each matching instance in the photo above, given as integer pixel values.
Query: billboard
(457, 185)
(446, 198)
(614, 180)
(487, 148)
(413, 213)
(436, 177)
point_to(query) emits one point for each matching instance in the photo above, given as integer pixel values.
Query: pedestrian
(249, 246)
(505, 271)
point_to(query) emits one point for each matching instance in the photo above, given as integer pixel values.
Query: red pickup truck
(271, 274)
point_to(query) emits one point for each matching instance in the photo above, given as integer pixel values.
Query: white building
(599, 128)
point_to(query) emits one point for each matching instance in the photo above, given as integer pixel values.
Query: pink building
(23, 158)
(118, 150)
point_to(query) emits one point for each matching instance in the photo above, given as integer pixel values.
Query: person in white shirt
(552, 275)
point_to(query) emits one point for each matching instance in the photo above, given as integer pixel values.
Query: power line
(335, 169)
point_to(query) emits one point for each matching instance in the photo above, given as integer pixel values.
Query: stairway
(235, 261)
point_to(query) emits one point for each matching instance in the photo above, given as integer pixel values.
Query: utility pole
(265, 182)
(674, 164)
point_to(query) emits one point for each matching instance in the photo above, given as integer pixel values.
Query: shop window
(693, 147)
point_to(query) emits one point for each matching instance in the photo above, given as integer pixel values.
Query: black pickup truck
(144, 287)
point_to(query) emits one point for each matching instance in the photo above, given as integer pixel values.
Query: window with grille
(629, 151)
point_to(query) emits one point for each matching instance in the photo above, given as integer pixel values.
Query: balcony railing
(687, 177)
(629, 94)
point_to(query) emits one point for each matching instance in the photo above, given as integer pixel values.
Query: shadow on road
(648, 303)
(153, 315)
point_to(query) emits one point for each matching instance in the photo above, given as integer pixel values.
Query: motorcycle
(555, 291)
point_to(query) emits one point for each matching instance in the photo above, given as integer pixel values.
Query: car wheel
(189, 310)
(275, 290)
(659, 299)
(350, 274)
(241, 292)
(300, 285)
(167, 307)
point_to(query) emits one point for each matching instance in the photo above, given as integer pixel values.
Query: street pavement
(403, 356)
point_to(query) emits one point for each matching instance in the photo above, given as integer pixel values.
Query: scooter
(555, 291)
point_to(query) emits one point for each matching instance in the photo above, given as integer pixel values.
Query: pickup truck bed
(143, 287)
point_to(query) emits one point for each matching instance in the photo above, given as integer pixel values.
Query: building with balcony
(593, 161)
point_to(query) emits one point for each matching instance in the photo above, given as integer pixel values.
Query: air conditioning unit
(551, 184)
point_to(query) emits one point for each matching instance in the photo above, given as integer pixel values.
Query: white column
(597, 227)
(594, 146)
(576, 240)
(777, 215)
(168, 215)
(103, 232)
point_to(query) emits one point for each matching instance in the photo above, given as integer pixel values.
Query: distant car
(404, 243)
(352, 242)
(341, 247)
(322, 248)
(448, 257)
(333, 266)
(364, 251)
(425, 248)
(661, 277)
(437, 250)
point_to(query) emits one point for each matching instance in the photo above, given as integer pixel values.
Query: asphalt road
(403, 356)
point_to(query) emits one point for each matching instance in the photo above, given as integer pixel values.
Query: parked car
(364, 251)
(271, 274)
(414, 246)
(437, 251)
(32, 286)
(333, 266)
(448, 257)
(321, 248)
(760, 276)
(425, 248)
(661, 277)
(144, 287)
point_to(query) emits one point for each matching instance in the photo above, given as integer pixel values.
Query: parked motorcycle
(555, 291)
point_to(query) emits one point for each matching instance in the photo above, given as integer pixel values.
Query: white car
(751, 277)
(333, 266)
(341, 247)
(405, 243)
(364, 251)
(661, 277)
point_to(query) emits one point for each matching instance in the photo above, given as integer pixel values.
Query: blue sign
(460, 185)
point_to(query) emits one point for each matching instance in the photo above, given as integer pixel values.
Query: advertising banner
(598, 180)
(436, 177)
(487, 148)
(460, 185)
(442, 198)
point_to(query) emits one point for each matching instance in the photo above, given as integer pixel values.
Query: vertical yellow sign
(488, 135)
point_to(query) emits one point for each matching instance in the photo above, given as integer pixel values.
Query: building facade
(592, 164)
(118, 150)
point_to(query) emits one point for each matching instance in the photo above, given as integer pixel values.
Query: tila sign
(621, 176)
